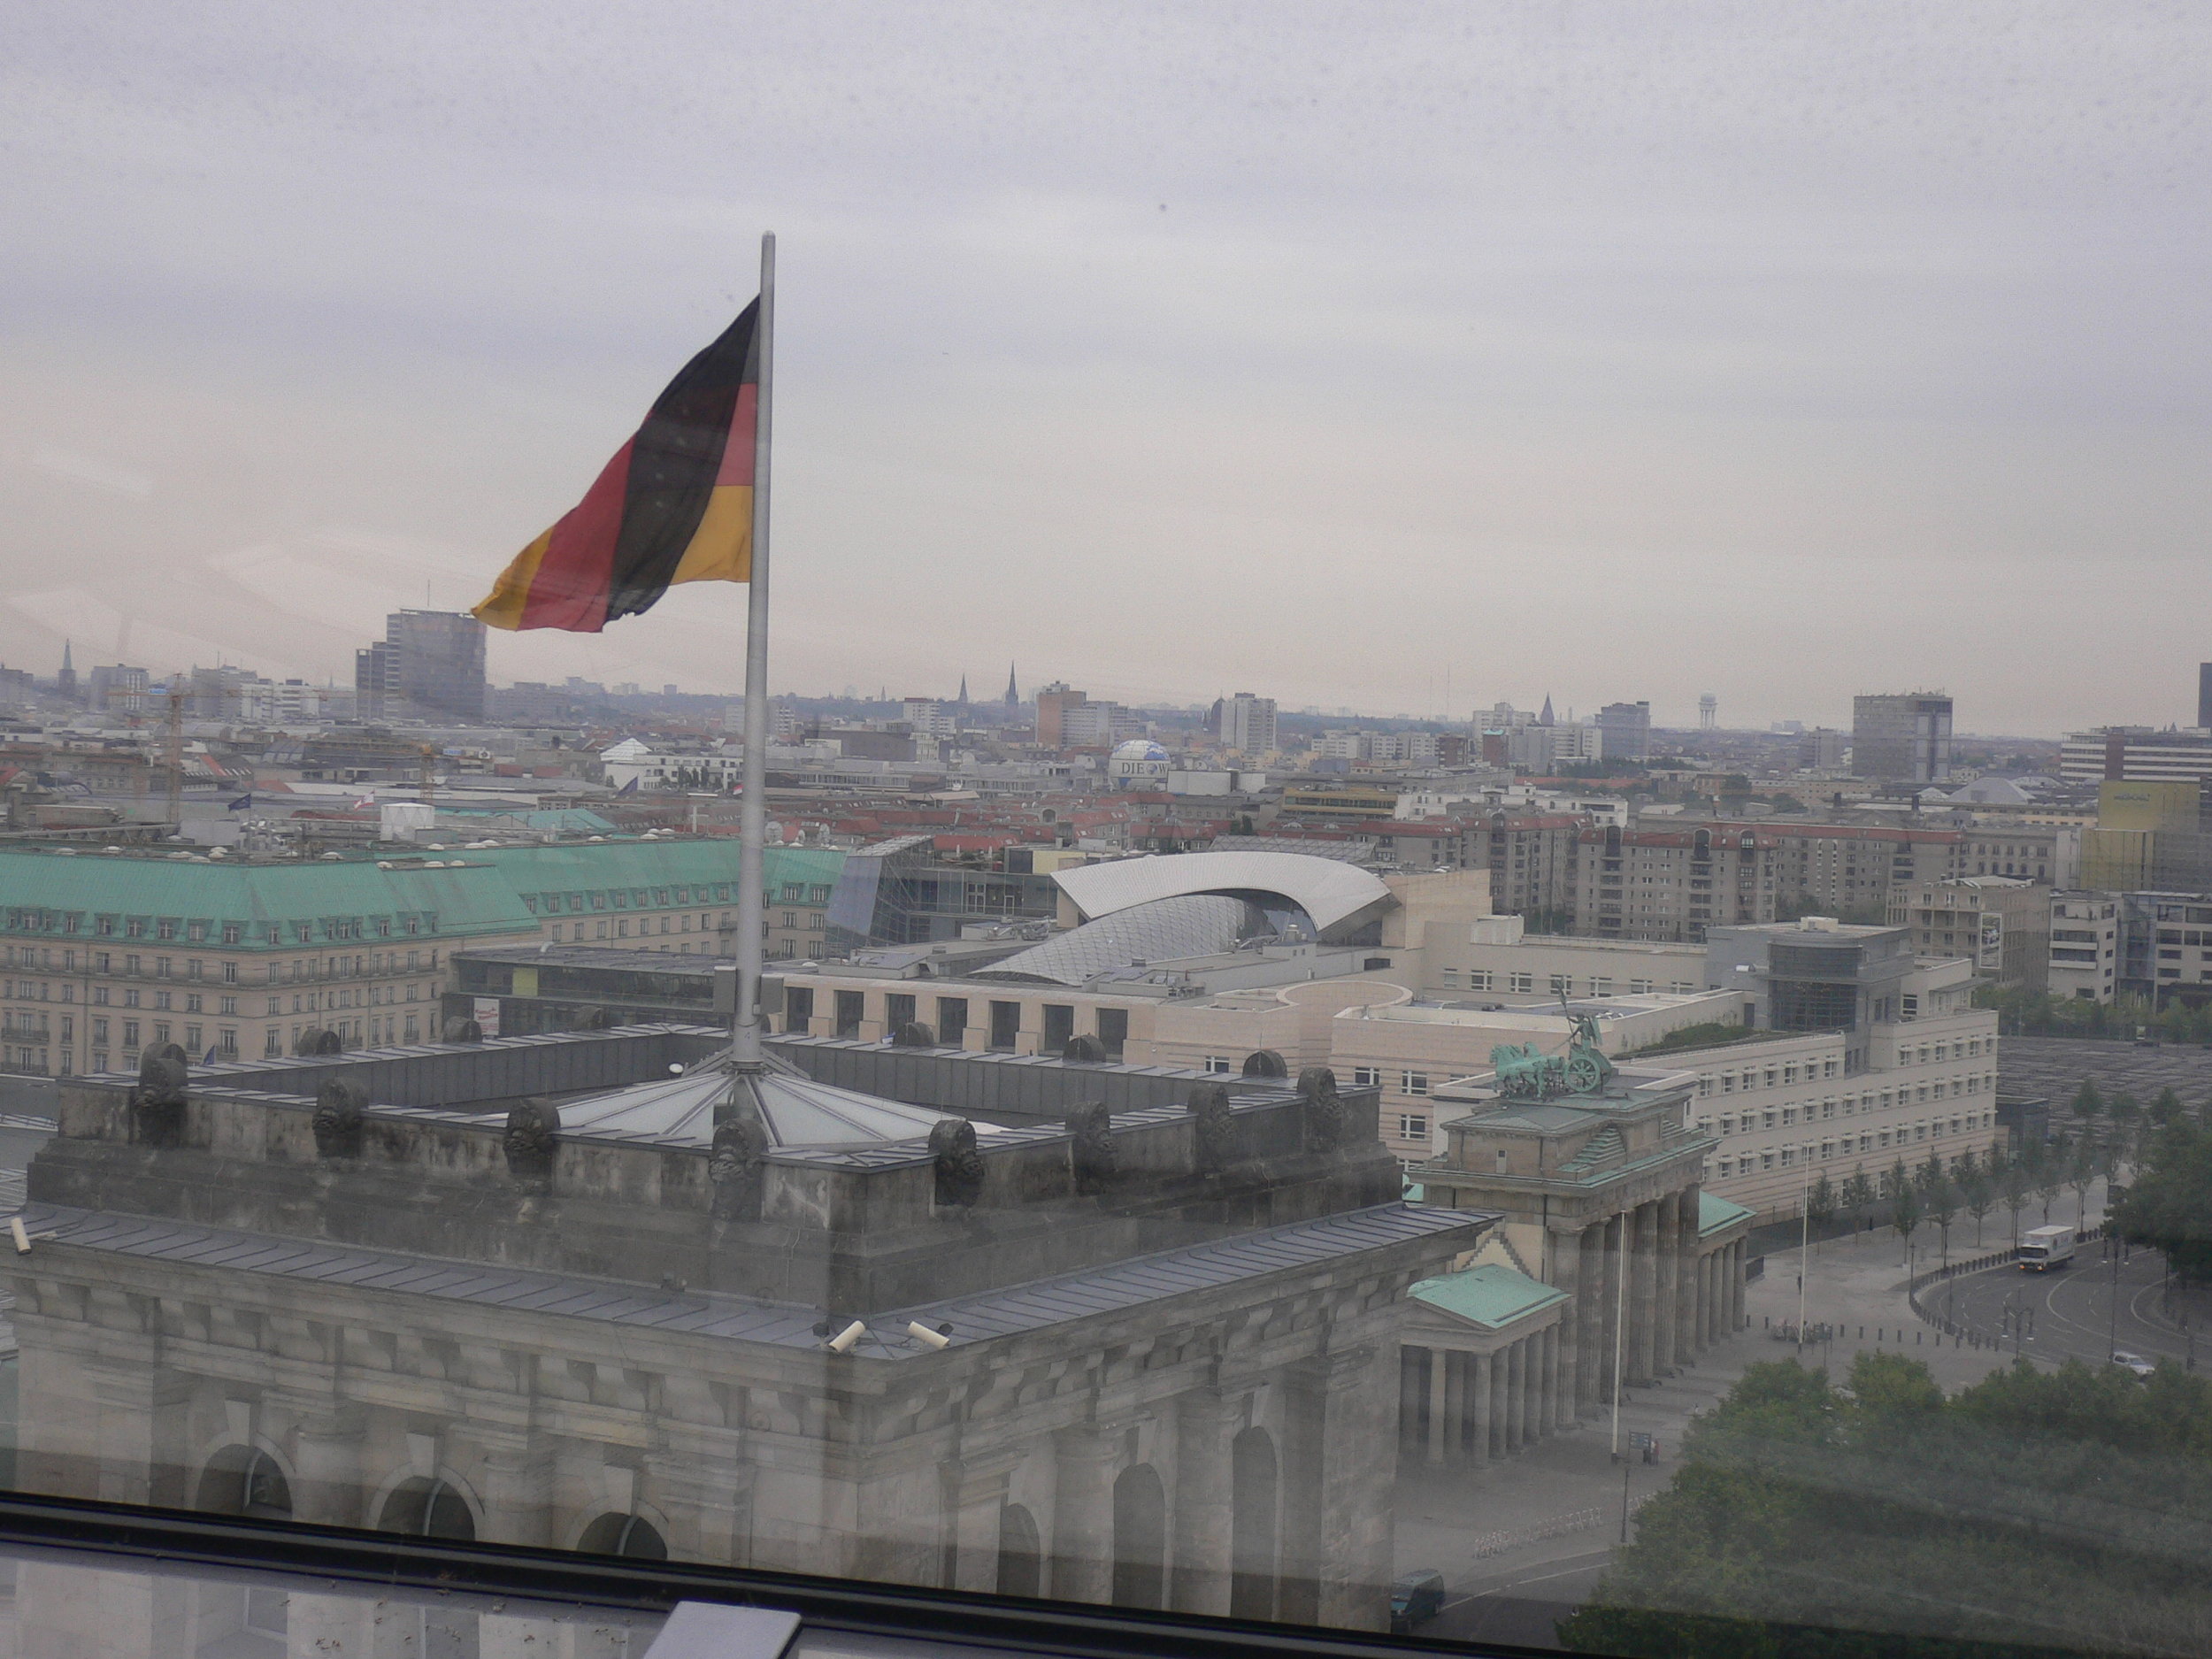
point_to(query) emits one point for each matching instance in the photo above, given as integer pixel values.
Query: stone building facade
(1148, 1357)
(1610, 1262)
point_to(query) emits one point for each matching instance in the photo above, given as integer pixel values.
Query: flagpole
(753, 809)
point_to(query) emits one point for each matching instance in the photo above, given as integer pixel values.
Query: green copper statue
(1526, 1073)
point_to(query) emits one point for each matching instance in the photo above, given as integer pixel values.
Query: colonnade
(1645, 1265)
(1458, 1405)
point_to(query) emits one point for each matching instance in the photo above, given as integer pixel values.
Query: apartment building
(2084, 946)
(1672, 884)
(2002, 923)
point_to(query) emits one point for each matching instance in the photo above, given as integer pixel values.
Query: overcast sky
(1358, 355)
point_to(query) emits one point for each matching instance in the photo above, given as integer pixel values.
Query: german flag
(674, 505)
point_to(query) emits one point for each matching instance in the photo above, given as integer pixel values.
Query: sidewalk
(1859, 1284)
(1446, 1514)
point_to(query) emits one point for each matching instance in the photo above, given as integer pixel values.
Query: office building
(1821, 750)
(1901, 738)
(1245, 723)
(117, 689)
(1625, 731)
(428, 665)
(2204, 696)
(1052, 702)
(2135, 754)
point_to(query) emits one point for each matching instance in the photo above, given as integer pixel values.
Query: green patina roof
(473, 899)
(1714, 1213)
(1493, 1294)
(481, 891)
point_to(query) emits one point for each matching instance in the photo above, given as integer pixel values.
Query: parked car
(2135, 1363)
(1415, 1599)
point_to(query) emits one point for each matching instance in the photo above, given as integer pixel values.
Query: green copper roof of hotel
(1493, 1294)
(202, 897)
(354, 899)
(1714, 1214)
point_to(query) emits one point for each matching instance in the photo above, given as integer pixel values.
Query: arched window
(423, 1506)
(1252, 1489)
(614, 1534)
(1018, 1552)
(244, 1481)
(1139, 1538)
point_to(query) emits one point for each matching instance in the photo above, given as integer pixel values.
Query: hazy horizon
(1618, 354)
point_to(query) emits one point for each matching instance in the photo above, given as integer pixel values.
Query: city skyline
(1525, 353)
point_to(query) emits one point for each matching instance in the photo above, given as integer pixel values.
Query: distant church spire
(1545, 718)
(1013, 695)
(65, 682)
(963, 691)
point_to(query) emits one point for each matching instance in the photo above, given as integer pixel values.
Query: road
(2083, 1311)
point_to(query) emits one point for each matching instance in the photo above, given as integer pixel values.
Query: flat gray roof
(1005, 1311)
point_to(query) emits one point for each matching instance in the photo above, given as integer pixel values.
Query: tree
(1820, 1204)
(1795, 1500)
(2169, 1206)
(2013, 1183)
(1977, 1189)
(1858, 1195)
(1941, 1194)
(1904, 1203)
(2045, 1176)
(2127, 1122)
(2088, 1102)
(2081, 1175)
(2165, 1107)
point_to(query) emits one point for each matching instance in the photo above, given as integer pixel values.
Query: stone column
(1567, 1275)
(517, 1481)
(1610, 1334)
(1083, 1514)
(1735, 1286)
(1700, 1307)
(1412, 1362)
(1455, 1406)
(1478, 1413)
(327, 1453)
(1665, 1264)
(1198, 1579)
(1501, 1397)
(1643, 1291)
(1686, 1341)
(1439, 1440)
(1355, 1529)
(1548, 1412)
(1304, 1405)
(1590, 1321)
(1516, 1380)
(975, 1492)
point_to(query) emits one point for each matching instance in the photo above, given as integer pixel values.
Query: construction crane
(429, 786)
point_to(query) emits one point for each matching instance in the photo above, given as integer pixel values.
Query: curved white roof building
(1341, 898)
